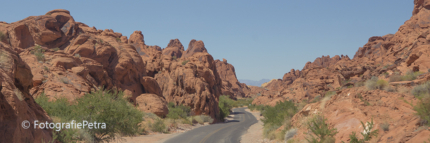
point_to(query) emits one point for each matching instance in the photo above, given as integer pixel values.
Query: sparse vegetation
(107, 107)
(77, 55)
(277, 116)
(320, 131)
(375, 83)
(185, 62)
(56, 49)
(65, 80)
(201, 119)
(118, 40)
(174, 57)
(410, 75)
(422, 92)
(385, 126)
(367, 133)
(158, 126)
(179, 111)
(38, 51)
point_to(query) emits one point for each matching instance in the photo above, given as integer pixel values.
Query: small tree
(321, 132)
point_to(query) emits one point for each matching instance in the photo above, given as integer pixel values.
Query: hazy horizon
(261, 40)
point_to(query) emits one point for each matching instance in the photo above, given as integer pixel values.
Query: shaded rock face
(16, 102)
(78, 59)
(230, 85)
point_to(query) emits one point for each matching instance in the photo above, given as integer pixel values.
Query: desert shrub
(375, 83)
(176, 112)
(276, 116)
(185, 62)
(394, 78)
(260, 107)
(38, 51)
(290, 134)
(201, 119)
(77, 55)
(243, 102)
(59, 108)
(120, 117)
(56, 49)
(421, 90)
(367, 133)
(410, 75)
(359, 84)
(174, 57)
(316, 98)
(329, 93)
(118, 40)
(225, 104)
(385, 126)
(320, 131)
(159, 126)
(389, 89)
(423, 109)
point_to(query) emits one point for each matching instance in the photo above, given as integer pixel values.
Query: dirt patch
(255, 132)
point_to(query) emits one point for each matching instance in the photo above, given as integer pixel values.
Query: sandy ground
(255, 132)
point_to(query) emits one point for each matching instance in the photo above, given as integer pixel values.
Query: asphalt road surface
(229, 132)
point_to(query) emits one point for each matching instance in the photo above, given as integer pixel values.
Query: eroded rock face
(230, 85)
(77, 59)
(16, 102)
(345, 110)
(192, 81)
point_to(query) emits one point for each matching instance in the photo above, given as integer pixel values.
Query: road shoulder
(254, 134)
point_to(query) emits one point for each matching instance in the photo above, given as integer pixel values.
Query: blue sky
(261, 39)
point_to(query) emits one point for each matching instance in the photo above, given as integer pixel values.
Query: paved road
(229, 132)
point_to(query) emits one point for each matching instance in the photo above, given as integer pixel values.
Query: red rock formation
(16, 102)
(230, 85)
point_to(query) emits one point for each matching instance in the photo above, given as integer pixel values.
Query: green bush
(320, 131)
(276, 116)
(185, 62)
(159, 126)
(120, 117)
(225, 104)
(177, 112)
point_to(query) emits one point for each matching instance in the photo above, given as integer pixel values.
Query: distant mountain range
(253, 82)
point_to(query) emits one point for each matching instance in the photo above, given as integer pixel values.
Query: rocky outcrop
(70, 59)
(345, 111)
(17, 104)
(230, 85)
